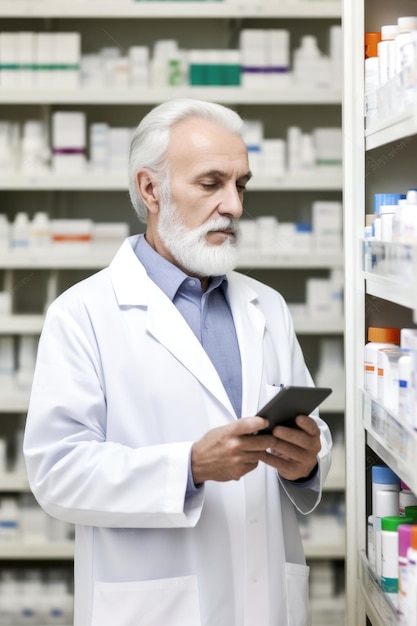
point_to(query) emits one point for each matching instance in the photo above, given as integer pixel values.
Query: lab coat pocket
(171, 601)
(271, 392)
(297, 595)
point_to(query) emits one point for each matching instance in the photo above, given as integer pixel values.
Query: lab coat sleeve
(75, 474)
(306, 499)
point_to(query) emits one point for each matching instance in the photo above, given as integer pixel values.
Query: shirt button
(191, 282)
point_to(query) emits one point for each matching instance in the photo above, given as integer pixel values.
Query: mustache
(220, 223)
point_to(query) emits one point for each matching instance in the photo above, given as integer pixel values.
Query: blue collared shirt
(208, 314)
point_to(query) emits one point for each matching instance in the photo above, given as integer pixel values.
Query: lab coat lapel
(133, 287)
(169, 327)
(250, 327)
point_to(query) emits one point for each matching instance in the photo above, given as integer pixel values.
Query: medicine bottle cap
(414, 537)
(381, 199)
(393, 521)
(384, 475)
(389, 31)
(407, 23)
(411, 511)
(371, 44)
(384, 335)
(404, 538)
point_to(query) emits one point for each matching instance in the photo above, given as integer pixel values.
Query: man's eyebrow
(221, 174)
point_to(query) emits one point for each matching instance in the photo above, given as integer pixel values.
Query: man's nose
(231, 203)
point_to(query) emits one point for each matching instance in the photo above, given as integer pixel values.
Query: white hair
(151, 138)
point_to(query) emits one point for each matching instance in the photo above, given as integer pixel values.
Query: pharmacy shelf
(290, 261)
(287, 94)
(32, 324)
(379, 607)
(313, 326)
(396, 291)
(130, 9)
(97, 259)
(89, 259)
(14, 402)
(320, 550)
(19, 324)
(334, 482)
(14, 482)
(333, 404)
(328, 179)
(40, 551)
(392, 440)
(393, 129)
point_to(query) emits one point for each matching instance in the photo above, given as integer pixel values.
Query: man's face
(208, 173)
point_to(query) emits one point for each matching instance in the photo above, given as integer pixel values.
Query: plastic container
(390, 551)
(405, 397)
(404, 543)
(386, 504)
(378, 338)
(383, 479)
(412, 578)
(388, 377)
(406, 499)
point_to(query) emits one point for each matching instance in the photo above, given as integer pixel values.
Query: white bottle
(9, 521)
(20, 232)
(409, 217)
(386, 52)
(40, 231)
(9, 598)
(371, 90)
(386, 505)
(406, 24)
(412, 580)
(378, 338)
(383, 479)
(4, 234)
(311, 67)
(405, 398)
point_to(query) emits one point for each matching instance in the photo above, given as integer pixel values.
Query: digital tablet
(291, 401)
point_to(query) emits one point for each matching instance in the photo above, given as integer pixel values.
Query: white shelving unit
(91, 195)
(377, 160)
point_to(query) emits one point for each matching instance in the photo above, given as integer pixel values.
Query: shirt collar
(165, 274)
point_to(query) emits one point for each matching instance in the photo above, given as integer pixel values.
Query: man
(142, 427)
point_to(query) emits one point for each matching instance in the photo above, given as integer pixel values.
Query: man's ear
(148, 189)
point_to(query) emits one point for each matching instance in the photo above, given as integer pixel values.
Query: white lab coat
(122, 389)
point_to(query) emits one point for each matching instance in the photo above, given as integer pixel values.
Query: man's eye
(209, 185)
(241, 188)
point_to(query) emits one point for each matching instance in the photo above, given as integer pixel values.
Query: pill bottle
(411, 511)
(370, 547)
(406, 499)
(386, 52)
(390, 550)
(378, 338)
(383, 479)
(386, 505)
(388, 377)
(404, 543)
(412, 578)
(405, 388)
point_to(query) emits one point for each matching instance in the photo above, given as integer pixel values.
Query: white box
(9, 74)
(26, 59)
(67, 59)
(44, 56)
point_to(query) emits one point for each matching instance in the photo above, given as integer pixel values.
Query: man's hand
(295, 450)
(229, 452)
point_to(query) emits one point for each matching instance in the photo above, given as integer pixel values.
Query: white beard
(190, 248)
